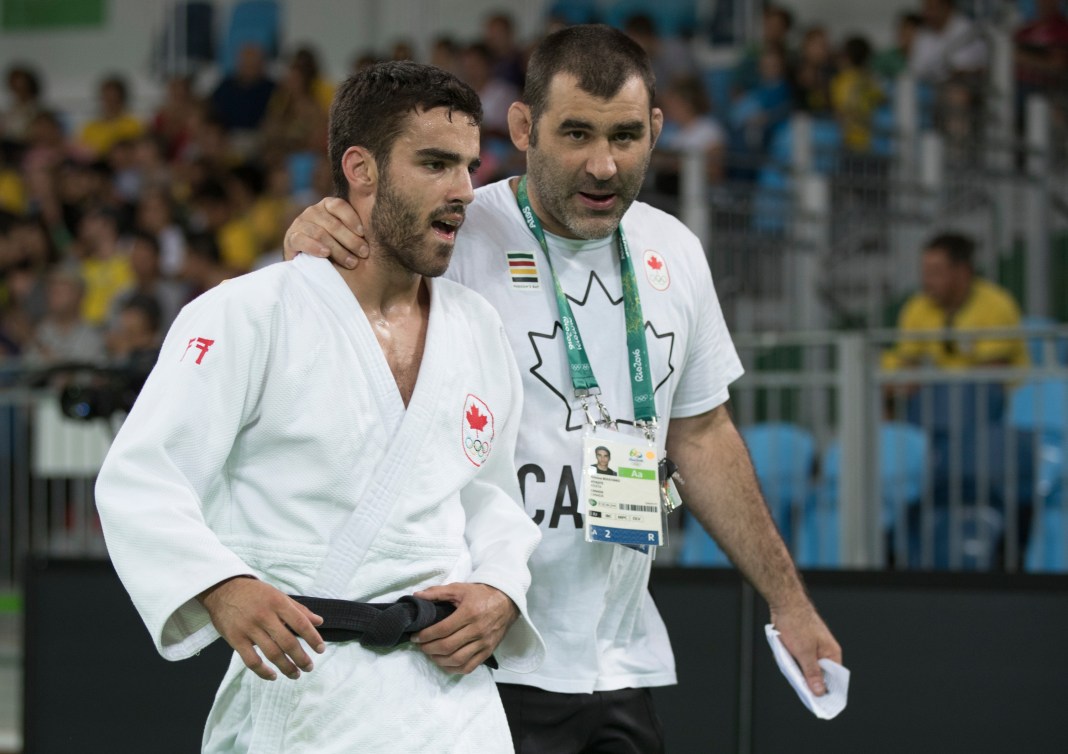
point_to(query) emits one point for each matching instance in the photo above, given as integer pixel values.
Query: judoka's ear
(360, 170)
(520, 125)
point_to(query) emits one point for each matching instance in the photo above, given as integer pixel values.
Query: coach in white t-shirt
(587, 126)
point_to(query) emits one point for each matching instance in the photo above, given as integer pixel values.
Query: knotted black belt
(378, 624)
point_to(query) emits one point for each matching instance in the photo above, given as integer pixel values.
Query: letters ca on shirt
(550, 468)
(200, 347)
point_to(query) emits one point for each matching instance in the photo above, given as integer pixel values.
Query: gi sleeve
(166, 471)
(500, 536)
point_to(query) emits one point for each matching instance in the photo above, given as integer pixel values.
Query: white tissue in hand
(835, 678)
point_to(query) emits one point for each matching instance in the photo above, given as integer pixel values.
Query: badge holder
(620, 496)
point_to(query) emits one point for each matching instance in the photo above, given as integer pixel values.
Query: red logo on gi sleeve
(477, 431)
(201, 344)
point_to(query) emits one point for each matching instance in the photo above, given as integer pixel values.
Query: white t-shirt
(958, 47)
(590, 600)
(703, 133)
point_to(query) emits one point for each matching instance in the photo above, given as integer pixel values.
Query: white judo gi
(271, 440)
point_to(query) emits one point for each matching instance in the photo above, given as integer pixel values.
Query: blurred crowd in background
(109, 227)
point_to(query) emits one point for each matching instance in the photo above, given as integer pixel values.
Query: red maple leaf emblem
(475, 420)
(655, 263)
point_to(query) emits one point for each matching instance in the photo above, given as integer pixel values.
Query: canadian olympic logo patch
(477, 431)
(656, 271)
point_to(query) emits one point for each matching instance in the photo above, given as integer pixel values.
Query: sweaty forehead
(567, 101)
(438, 128)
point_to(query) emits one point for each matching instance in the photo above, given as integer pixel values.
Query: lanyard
(582, 378)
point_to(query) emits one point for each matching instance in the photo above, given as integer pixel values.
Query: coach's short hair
(370, 108)
(603, 59)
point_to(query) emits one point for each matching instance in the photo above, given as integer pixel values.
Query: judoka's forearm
(721, 491)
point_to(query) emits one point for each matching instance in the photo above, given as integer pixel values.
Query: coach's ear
(361, 172)
(657, 123)
(520, 125)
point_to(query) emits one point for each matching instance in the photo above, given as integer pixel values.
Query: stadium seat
(699, 549)
(783, 456)
(575, 11)
(1040, 408)
(251, 21)
(671, 17)
(826, 144)
(1037, 346)
(772, 201)
(902, 478)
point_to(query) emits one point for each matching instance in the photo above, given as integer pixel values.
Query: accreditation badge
(621, 489)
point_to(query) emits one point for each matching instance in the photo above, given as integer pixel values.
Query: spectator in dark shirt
(240, 100)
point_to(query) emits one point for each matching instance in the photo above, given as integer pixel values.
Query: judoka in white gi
(348, 434)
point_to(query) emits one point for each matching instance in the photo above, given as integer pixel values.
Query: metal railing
(988, 493)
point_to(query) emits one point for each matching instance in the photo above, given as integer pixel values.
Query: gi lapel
(378, 491)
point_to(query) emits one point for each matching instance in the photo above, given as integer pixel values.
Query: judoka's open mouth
(446, 228)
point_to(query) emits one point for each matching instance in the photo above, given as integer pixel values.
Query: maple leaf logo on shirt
(655, 263)
(475, 420)
(550, 355)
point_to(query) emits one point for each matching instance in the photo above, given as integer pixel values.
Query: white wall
(72, 61)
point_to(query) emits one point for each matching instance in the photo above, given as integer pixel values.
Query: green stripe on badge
(519, 255)
(637, 473)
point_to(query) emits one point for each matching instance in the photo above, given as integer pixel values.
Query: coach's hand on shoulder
(807, 638)
(331, 229)
(249, 613)
(465, 639)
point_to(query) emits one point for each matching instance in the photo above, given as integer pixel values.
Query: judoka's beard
(401, 234)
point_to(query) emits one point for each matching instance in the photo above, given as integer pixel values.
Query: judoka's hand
(808, 639)
(331, 228)
(464, 640)
(249, 613)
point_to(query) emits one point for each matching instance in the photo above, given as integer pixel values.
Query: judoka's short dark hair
(370, 108)
(603, 59)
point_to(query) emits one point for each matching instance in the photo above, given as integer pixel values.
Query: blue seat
(574, 11)
(883, 127)
(251, 22)
(826, 144)
(671, 17)
(699, 549)
(902, 478)
(772, 202)
(1036, 346)
(783, 457)
(1040, 408)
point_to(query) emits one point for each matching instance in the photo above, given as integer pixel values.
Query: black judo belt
(378, 624)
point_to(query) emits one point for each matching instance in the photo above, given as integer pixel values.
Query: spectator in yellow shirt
(235, 236)
(955, 298)
(855, 94)
(115, 123)
(105, 265)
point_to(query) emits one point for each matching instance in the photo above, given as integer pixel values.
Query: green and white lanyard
(582, 377)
